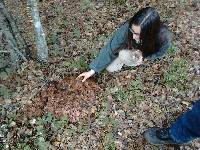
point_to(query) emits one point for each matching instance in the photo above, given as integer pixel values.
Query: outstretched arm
(108, 53)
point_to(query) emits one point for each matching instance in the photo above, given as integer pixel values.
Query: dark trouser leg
(187, 126)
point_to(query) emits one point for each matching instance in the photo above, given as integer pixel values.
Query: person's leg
(187, 127)
(184, 130)
(127, 57)
(131, 57)
(116, 65)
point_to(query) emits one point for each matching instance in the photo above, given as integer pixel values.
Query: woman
(141, 37)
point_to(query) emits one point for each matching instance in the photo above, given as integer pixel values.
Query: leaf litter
(81, 29)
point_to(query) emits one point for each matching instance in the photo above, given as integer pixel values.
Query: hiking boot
(159, 136)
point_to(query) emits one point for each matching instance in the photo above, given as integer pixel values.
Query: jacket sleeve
(164, 42)
(110, 51)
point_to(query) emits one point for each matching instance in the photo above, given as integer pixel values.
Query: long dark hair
(149, 21)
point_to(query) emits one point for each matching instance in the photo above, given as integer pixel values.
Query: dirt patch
(69, 97)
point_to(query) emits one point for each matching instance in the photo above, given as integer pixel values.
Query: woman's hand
(137, 57)
(86, 75)
(140, 61)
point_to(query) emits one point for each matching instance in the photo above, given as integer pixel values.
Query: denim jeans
(187, 126)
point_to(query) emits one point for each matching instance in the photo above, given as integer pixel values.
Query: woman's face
(135, 29)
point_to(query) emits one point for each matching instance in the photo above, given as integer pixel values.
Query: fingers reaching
(85, 78)
(86, 75)
(82, 74)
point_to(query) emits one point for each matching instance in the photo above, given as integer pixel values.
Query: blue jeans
(187, 127)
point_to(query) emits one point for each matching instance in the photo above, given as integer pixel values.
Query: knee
(124, 54)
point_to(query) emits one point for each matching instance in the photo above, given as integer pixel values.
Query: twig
(4, 52)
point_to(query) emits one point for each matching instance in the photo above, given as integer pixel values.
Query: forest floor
(111, 110)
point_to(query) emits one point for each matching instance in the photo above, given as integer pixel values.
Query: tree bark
(9, 35)
(42, 49)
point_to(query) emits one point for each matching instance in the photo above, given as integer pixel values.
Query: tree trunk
(10, 40)
(42, 49)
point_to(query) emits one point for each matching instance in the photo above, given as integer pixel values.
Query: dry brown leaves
(68, 97)
(94, 25)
